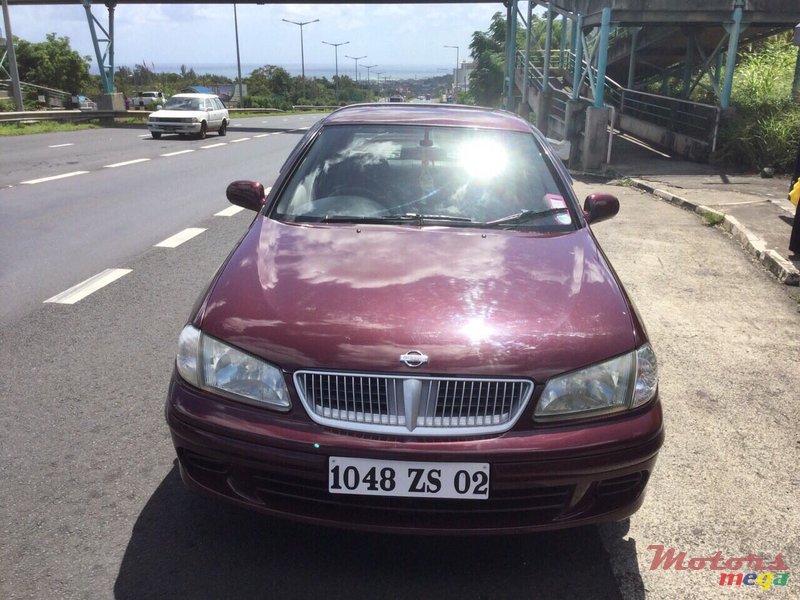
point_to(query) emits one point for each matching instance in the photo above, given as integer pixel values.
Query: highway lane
(30, 157)
(57, 233)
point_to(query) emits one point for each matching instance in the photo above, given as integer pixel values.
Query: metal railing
(693, 119)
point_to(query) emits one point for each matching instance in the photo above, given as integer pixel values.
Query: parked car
(186, 114)
(143, 100)
(419, 333)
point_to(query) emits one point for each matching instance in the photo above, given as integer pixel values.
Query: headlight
(208, 363)
(618, 384)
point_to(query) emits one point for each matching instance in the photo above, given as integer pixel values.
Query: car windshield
(426, 175)
(182, 104)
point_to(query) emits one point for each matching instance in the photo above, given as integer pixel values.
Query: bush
(764, 128)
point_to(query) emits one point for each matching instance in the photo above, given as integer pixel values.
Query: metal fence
(693, 119)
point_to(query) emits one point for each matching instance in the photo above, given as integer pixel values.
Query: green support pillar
(526, 106)
(796, 82)
(578, 67)
(688, 68)
(602, 58)
(632, 59)
(105, 62)
(511, 52)
(548, 40)
(733, 45)
(561, 54)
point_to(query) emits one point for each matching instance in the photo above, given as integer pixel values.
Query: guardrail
(89, 115)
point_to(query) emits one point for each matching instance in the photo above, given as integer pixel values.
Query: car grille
(170, 120)
(399, 404)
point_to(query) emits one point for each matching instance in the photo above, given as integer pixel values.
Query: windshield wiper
(420, 217)
(526, 216)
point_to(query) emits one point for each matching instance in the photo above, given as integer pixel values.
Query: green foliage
(488, 51)
(53, 64)
(764, 129)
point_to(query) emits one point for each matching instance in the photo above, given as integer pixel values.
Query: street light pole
(302, 51)
(336, 52)
(368, 67)
(455, 73)
(238, 59)
(356, 58)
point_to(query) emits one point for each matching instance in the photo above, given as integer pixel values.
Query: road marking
(236, 125)
(260, 135)
(54, 177)
(61, 145)
(126, 163)
(89, 286)
(179, 238)
(229, 212)
(239, 140)
(214, 146)
(178, 152)
(145, 135)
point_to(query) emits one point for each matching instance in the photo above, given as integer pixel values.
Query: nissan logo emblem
(414, 358)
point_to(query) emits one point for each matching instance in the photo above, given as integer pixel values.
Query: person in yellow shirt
(794, 198)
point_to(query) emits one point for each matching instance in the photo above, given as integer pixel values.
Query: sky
(203, 34)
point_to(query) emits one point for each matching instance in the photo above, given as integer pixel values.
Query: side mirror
(247, 194)
(599, 207)
(159, 107)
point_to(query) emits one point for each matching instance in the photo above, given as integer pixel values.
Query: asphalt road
(115, 193)
(93, 507)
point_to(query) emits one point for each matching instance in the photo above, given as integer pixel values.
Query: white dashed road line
(177, 153)
(229, 212)
(61, 145)
(181, 237)
(214, 146)
(54, 177)
(261, 135)
(91, 285)
(126, 163)
(239, 140)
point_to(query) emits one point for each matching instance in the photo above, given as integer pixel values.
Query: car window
(176, 103)
(452, 175)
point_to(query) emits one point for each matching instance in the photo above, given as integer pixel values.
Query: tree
(53, 64)
(488, 52)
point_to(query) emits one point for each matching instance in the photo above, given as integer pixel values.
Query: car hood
(178, 114)
(347, 297)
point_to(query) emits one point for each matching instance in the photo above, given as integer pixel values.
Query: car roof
(195, 96)
(456, 115)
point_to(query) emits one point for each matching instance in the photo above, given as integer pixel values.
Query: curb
(785, 271)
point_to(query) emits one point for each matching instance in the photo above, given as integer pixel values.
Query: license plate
(366, 477)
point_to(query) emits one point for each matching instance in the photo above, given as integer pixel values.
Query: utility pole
(455, 73)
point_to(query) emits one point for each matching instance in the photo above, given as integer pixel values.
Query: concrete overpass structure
(616, 48)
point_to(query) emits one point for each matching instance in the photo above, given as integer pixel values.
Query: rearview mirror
(599, 207)
(247, 194)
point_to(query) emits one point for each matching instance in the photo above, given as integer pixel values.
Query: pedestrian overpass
(612, 50)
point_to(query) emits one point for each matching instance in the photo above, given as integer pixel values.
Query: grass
(764, 129)
(7, 129)
(713, 218)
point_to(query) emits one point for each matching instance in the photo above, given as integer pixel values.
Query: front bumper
(174, 127)
(553, 478)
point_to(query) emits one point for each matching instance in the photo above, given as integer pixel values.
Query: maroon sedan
(419, 332)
